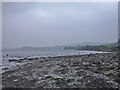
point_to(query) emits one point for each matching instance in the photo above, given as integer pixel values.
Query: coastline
(11, 58)
(74, 71)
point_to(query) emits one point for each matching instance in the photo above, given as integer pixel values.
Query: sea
(17, 54)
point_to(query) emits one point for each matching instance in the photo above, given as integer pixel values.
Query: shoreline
(74, 71)
(10, 62)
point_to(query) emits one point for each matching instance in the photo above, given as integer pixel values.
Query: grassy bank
(106, 47)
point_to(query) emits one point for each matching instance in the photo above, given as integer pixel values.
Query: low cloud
(47, 24)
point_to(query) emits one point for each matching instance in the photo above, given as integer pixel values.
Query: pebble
(15, 80)
(94, 70)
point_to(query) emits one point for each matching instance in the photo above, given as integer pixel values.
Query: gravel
(77, 71)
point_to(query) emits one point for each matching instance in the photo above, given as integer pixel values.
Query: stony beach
(75, 71)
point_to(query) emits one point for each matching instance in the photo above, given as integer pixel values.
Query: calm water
(43, 53)
(18, 54)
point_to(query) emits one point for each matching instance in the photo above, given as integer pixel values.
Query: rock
(57, 77)
(63, 65)
(114, 57)
(31, 59)
(70, 80)
(74, 65)
(7, 55)
(5, 68)
(12, 60)
(80, 71)
(49, 65)
(19, 61)
(85, 63)
(47, 76)
(15, 80)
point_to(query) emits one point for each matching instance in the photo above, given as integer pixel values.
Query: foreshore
(75, 71)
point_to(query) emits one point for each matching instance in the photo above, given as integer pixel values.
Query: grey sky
(47, 24)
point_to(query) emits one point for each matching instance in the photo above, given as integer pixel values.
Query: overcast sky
(46, 24)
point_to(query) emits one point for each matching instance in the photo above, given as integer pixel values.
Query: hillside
(105, 47)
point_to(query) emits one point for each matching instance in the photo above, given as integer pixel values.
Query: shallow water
(28, 53)
(20, 54)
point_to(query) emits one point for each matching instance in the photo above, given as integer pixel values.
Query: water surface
(17, 54)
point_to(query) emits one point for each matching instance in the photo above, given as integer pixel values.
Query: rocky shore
(77, 71)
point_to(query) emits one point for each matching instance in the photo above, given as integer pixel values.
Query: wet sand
(76, 71)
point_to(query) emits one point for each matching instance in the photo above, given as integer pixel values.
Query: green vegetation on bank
(112, 47)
